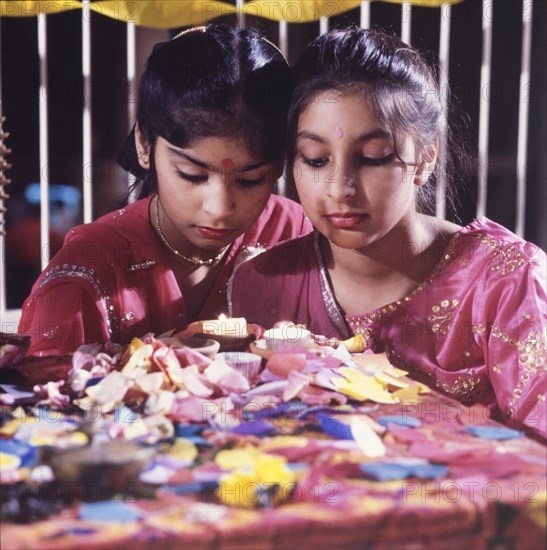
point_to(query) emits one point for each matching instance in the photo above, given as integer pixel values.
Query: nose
(219, 199)
(341, 182)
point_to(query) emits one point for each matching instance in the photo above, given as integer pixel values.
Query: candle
(234, 327)
(287, 337)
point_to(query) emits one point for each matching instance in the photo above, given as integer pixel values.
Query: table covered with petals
(288, 466)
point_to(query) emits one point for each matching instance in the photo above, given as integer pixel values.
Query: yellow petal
(139, 358)
(10, 427)
(361, 387)
(407, 395)
(283, 441)
(229, 459)
(388, 380)
(373, 362)
(355, 344)
(394, 371)
(9, 462)
(183, 450)
(135, 344)
(135, 430)
(273, 469)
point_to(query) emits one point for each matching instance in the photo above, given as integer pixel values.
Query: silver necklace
(196, 261)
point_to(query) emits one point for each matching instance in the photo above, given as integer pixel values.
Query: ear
(143, 148)
(426, 165)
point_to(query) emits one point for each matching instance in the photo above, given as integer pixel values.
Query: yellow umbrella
(163, 15)
(30, 8)
(304, 11)
(170, 14)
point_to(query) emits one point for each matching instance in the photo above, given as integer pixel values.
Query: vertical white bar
(131, 90)
(444, 67)
(527, 12)
(406, 22)
(3, 251)
(484, 106)
(44, 152)
(284, 47)
(240, 13)
(87, 175)
(365, 14)
(323, 25)
(284, 37)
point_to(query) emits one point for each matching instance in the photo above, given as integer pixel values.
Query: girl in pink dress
(208, 147)
(462, 308)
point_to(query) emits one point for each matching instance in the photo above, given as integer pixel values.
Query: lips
(214, 234)
(345, 220)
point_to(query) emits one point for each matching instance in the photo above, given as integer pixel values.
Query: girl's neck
(388, 269)
(403, 250)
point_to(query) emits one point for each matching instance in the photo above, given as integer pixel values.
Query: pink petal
(281, 364)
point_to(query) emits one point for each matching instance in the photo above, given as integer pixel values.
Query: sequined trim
(143, 265)
(360, 323)
(462, 387)
(441, 315)
(506, 259)
(532, 352)
(326, 292)
(89, 276)
(247, 253)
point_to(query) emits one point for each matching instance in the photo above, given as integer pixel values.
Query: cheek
(253, 202)
(305, 181)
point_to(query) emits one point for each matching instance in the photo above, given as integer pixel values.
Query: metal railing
(408, 18)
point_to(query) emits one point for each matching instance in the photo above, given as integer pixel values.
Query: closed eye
(200, 178)
(370, 161)
(315, 163)
(250, 182)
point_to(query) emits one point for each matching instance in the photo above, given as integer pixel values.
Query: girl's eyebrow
(207, 166)
(377, 133)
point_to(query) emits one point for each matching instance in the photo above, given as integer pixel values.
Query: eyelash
(190, 178)
(202, 179)
(365, 161)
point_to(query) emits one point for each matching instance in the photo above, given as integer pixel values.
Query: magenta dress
(112, 280)
(474, 329)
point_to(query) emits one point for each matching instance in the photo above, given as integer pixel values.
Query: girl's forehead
(225, 148)
(213, 153)
(339, 114)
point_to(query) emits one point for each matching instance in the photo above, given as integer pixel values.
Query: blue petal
(290, 409)
(28, 454)
(493, 432)
(204, 487)
(185, 430)
(109, 511)
(407, 421)
(253, 428)
(429, 471)
(334, 428)
(385, 471)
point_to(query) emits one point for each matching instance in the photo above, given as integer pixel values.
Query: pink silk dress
(112, 280)
(474, 329)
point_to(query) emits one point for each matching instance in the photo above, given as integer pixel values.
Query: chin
(348, 240)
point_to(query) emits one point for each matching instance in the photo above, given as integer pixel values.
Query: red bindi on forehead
(227, 163)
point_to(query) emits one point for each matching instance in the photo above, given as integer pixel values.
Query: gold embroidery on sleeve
(441, 316)
(532, 359)
(506, 259)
